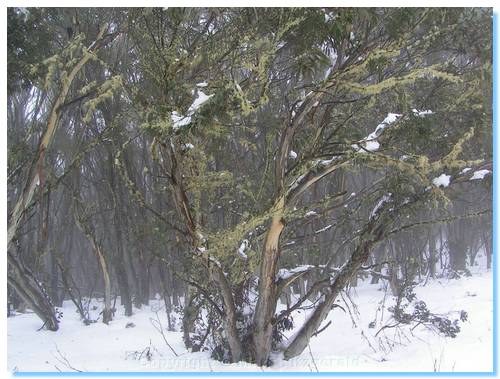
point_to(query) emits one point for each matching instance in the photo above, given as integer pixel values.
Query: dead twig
(157, 325)
(64, 361)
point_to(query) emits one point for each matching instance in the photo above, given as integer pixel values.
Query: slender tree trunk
(458, 255)
(487, 247)
(107, 314)
(54, 280)
(122, 279)
(120, 260)
(189, 317)
(368, 239)
(230, 315)
(22, 280)
(47, 137)
(70, 287)
(181, 201)
(432, 255)
(166, 295)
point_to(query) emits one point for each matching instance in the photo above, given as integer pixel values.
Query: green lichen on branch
(105, 92)
(404, 80)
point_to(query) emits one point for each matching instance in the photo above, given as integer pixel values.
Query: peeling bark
(267, 290)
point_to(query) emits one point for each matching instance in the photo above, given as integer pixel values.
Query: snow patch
(199, 101)
(326, 162)
(442, 180)
(480, 174)
(99, 347)
(418, 113)
(179, 121)
(285, 273)
(241, 250)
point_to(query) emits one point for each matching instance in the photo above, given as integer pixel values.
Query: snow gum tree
(229, 143)
(339, 89)
(60, 72)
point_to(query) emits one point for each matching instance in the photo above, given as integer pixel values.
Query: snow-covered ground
(348, 344)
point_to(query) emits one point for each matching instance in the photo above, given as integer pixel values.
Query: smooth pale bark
(47, 137)
(267, 290)
(18, 277)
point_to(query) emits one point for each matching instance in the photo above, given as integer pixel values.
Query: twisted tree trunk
(184, 209)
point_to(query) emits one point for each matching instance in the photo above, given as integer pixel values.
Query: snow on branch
(480, 174)
(418, 113)
(285, 273)
(384, 199)
(179, 120)
(370, 142)
(241, 250)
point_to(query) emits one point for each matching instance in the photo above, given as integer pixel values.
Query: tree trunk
(230, 315)
(181, 201)
(487, 247)
(47, 137)
(120, 259)
(69, 285)
(432, 255)
(166, 295)
(458, 255)
(122, 279)
(54, 280)
(107, 314)
(31, 291)
(266, 303)
(28, 286)
(368, 239)
(189, 317)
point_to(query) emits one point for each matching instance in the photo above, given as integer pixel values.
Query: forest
(239, 168)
